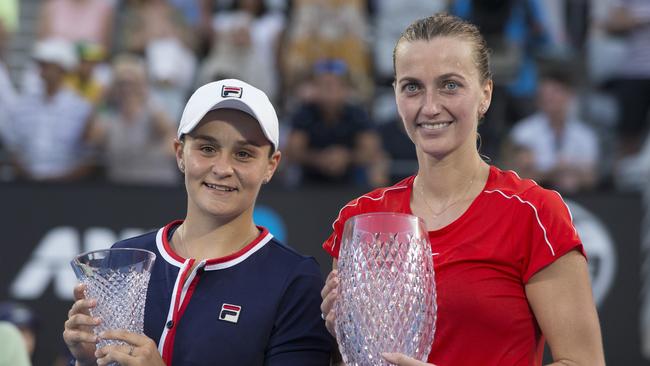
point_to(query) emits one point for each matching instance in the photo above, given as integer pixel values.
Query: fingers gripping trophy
(387, 293)
(117, 279)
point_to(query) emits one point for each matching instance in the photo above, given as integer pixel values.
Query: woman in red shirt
(510, 267)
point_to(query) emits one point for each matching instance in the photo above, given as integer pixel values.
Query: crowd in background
(101, 92)
(103, 89)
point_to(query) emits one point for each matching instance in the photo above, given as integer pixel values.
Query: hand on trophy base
(135, 349)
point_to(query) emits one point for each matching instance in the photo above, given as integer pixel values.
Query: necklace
(452, 203)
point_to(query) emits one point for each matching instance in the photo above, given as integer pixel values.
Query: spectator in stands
(155, 29)
(390, 19)
(135, 135)
(398, 157)
(246, 45)
(553, 146)
(144, 21)
(335, 29)
(632, 173)
(9, 15)
(83, 80)
(605, 50)
(46, 130)
(77, 20)
(197, 14)
(332, 139)
(631, 18)
(24, 320)
(8, 23)
(515, 31)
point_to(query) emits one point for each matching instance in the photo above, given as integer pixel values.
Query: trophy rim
(76, 259)
(386, 213)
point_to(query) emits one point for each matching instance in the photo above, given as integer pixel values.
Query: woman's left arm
(560, 296)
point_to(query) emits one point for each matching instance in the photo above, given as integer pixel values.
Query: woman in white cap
(222, 290)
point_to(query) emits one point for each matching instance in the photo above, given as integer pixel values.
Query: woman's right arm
(78, 329)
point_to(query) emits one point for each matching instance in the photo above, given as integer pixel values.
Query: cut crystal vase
(118, 279)
(387, 293)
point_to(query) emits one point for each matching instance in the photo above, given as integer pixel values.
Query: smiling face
(226, 159)
(440, 94)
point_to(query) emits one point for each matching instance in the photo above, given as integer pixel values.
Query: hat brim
(236, 104)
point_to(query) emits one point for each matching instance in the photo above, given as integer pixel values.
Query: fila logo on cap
(230, 313)
(231, 92)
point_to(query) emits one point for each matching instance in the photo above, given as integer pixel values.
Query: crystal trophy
(387, 293)
(117, 279)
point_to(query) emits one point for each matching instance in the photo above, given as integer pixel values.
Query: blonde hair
(445, 25)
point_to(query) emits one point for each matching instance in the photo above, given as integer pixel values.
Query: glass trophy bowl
(387, 293)
(117, 279)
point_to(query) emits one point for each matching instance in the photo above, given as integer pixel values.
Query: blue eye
(451, 85)
(411, 87)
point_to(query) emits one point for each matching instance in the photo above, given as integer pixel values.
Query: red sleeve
(551, 233)
(389, 199)
(333, 243)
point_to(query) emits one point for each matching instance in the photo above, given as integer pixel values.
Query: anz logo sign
(50, 260)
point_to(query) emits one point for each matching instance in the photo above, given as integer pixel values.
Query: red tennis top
(513, 229)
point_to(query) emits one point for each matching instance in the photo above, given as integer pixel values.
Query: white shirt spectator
(7, 95)
(46, 136)
(578, 145)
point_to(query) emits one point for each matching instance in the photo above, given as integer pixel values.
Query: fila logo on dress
(229, 313)
(231, 92)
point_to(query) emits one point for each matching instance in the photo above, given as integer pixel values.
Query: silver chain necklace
(436, 214)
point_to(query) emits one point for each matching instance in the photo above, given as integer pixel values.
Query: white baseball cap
(57, 51)
(231, 94)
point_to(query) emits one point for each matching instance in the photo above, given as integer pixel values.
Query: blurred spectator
(632, 173)
(246, 45)
(567, 23)
(553, 146)
(321, 29)
(24, 319)
(8, 22)
(631, 18)
(399, 159)
(143, 21)
(515, 31)
(171, 68)
(391, 18)
(7, 90)
(77, 20)
(45, 131)
(84, 80)
(156, 30)
(605, 50)
(135, 135)
(9, 15)
(332, 139)
(12, 346)
(197, 14)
